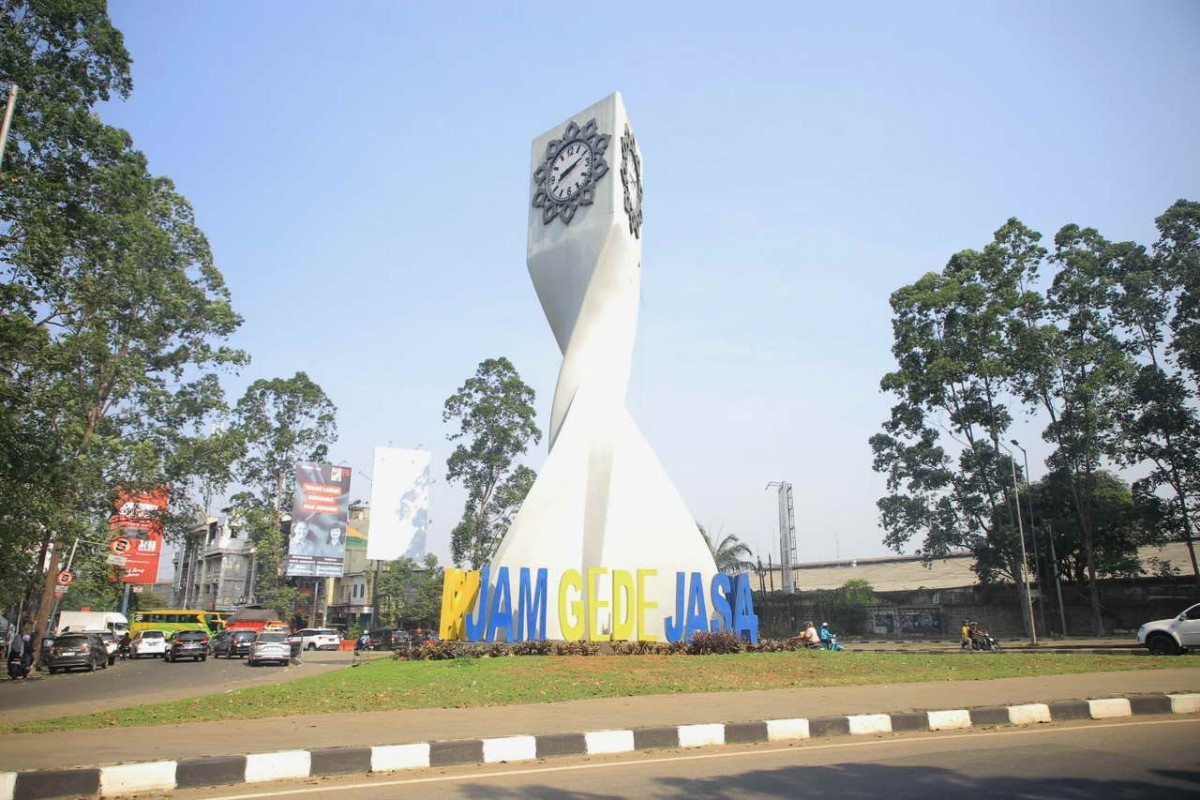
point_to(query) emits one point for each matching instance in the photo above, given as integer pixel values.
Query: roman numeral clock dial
(567, 177)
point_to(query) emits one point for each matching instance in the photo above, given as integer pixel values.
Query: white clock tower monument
(602, 499)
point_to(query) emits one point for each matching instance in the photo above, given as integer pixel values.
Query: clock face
(568, 175)
(631, 179)
(570, 171)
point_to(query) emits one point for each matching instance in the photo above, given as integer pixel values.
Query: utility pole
(788, 557)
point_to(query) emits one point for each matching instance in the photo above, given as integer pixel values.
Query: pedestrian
(965, 633)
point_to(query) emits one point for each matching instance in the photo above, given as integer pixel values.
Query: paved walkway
(94, 748)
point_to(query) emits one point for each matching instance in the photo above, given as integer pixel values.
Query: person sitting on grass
(810, 635)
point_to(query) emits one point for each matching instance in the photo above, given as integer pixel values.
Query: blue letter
(501, 615)
(531, 607)
(744, 618)
(721, 592)
(697, 612)
(674, 630)
(476, 627)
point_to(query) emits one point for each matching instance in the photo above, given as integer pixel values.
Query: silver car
(270, 648)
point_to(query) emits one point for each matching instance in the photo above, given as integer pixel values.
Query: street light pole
(1012, 462)
(1037, 562)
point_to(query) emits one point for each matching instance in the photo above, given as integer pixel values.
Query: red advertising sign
(137, 531)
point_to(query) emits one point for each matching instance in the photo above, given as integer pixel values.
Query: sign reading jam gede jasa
(580, 604)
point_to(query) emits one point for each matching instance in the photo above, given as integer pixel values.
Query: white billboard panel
(399, 504)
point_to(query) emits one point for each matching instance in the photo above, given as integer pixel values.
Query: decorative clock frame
(565, 209)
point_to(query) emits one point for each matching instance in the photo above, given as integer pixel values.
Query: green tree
(408, 593)
(1069, 360)
(947, 478)
(278, 424)
(494, 415)
(1122, 525)
(1159, 421)
(112, 313)
(727, 551)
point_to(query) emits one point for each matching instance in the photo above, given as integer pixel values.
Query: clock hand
(567, 171)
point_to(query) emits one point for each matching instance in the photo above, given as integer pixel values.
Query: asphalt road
(147, 680)
(1152, 758)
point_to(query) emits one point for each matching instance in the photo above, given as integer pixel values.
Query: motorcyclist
(828, 638)
(125, 645)
(22, 652)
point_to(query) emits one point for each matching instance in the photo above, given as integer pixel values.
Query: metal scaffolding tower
(787, 535)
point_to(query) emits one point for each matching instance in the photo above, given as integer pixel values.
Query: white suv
(1166, 637)
(317, 638)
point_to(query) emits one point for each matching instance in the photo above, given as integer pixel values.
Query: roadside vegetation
(388, 685)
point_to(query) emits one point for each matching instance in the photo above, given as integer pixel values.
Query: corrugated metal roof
(900, 573)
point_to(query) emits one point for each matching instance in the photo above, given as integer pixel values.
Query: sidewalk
(59, 750)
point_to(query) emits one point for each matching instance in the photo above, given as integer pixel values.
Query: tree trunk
(45, 602)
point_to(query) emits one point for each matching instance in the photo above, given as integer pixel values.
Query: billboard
(317, 539)
(138, 519)
(399, 504)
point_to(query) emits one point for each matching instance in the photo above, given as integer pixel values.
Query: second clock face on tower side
(567, 177)
(631, 179)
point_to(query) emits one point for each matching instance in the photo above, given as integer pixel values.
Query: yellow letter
(459, 590)
(622, 605)
(642, 634)
(594, 603)
(571, 631)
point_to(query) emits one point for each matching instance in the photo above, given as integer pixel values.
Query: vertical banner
(399, 504)
(320, 511)
(138, 522)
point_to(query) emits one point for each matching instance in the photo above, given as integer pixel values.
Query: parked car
(387, 639)
(233, 644)
(270, 647)
(112, 645)
(187, 644)
(148, 643)
(317, 638)
(1168, 637)
(84, 650)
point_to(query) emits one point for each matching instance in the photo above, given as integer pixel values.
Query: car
(112, 645)
(148, 643)
(1167, 637)
(187, 644)
(270, 646)
(86, 650)
(233, 644)
(317, 638)
(387, 639)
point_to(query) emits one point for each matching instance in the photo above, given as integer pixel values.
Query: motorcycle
(18, 667)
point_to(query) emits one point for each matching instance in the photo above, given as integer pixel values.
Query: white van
(76, 621)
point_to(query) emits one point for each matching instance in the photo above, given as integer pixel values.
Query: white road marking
(806, 748)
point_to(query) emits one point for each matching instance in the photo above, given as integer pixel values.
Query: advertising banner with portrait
(320, 511)
(136, 534)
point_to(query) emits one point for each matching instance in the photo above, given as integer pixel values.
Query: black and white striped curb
(164, 776)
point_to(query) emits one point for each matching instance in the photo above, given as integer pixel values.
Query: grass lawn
(390, 685)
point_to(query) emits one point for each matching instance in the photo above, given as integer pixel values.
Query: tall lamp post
(1037, 562)
(1012, 462)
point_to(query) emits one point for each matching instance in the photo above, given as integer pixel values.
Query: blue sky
(362, 173)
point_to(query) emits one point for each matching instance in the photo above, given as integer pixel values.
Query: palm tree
(727, 551)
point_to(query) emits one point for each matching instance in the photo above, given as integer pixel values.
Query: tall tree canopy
(1099, 349)
(495, 422)
(113, 316)
(278, 423)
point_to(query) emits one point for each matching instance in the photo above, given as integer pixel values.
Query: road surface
(147, 680)
(1156, 757)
